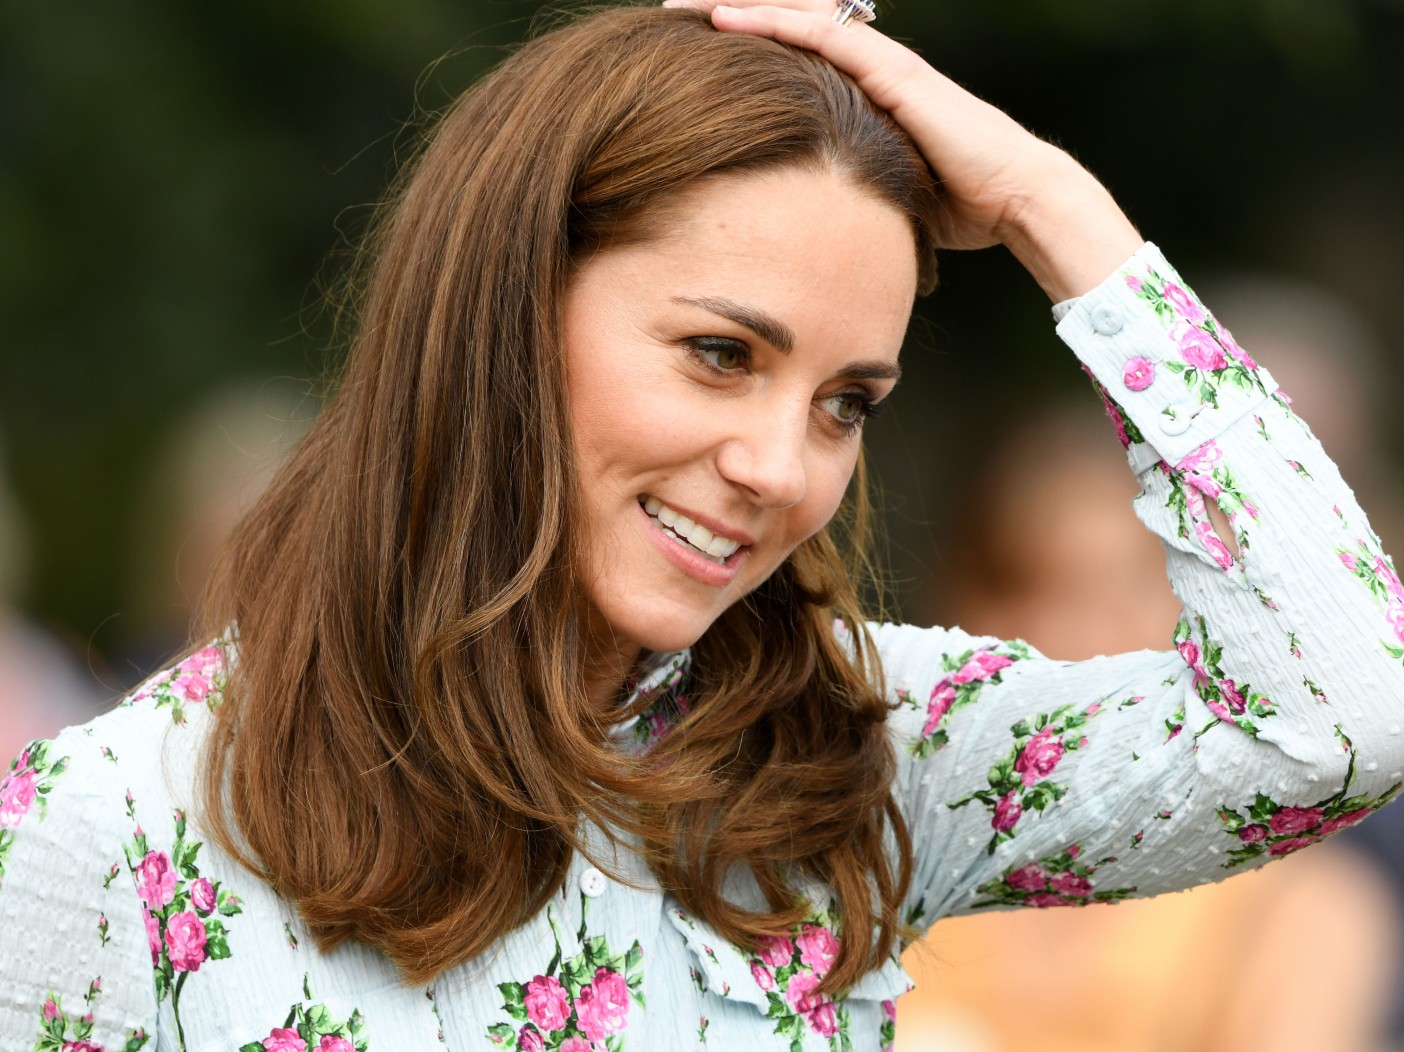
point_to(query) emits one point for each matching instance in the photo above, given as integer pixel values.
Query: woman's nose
(765, 456)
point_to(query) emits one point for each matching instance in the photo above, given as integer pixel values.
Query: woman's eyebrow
(871, 371)
(780, 336)
(772, 330)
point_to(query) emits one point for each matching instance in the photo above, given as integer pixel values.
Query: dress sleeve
(75, 963)
(1271, 723)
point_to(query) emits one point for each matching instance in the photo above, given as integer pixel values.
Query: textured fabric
(1271, 723)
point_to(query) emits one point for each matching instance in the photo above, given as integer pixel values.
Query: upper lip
(718, 528)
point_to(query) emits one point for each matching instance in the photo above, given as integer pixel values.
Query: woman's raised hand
(1002, 185)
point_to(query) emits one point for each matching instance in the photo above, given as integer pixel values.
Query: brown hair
(406, 750)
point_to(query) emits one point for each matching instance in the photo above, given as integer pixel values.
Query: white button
(592, 883)
(1107, 319)
(1175, 419)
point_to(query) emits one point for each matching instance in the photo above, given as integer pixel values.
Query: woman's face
(718, 378)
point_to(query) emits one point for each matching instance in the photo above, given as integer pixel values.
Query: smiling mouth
(689, 534)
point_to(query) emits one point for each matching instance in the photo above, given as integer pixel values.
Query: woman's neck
(608, 662)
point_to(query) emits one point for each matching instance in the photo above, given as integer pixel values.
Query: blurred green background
(179, 185)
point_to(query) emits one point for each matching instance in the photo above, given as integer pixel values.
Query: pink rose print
(1289, 821)
(1072, 885)
(1253, 834)
(1197, 347)
(602, 1005)
(51, 1010)
(1394, 614)
(823, 1019)
(185, 941)
(1345, 821)
(1228, 343)
(889, 1009)
(1028, 878)
(1138, 373)
(799, 992)
(332, 1043)
(818, 948)
(1189, 650)
(156, 880)
(17, 792)
(203, 660)
(202, 895)
(1286, 847)
(1389, 577)
(153, 938)
(1007, 813)
(1184, 306)
(1064, 879)
(81, 1046)
(194, 686)
(546, 1003)
(982, 665)
(529, 1040)
(1265, 828)
(1135, 284)
(761, 974)
(942, 697)
(1039, 758)
(1236, 701)
(284, 1039)
(1350, 561)
(776, 951)
(1217, 549)
(1202, 460)
(576, 1044)
(966, 676)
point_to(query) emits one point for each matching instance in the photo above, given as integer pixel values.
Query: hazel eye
(723, 355)
(848, 408)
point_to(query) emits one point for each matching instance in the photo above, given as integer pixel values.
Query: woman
(530, 725)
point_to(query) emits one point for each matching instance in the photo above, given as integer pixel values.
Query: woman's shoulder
(913, 655)
(146, 743)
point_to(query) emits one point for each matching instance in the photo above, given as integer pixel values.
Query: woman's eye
(850, 409)
(723, 355)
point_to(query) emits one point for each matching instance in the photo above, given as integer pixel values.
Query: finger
(817, 6)
(883, 68)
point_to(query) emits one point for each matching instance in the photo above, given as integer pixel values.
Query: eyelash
(698, 348)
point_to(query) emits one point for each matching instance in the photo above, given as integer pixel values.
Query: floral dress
(1272, 721)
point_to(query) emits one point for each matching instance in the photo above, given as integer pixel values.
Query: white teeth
(685, 531)
(720, 547)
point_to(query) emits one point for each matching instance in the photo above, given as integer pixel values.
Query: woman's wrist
(1070, 234)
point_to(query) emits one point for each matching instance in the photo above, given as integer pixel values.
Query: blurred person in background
(472, 671)
(1052, 553)
(1038, 534)
(44, 685)
(210, 469)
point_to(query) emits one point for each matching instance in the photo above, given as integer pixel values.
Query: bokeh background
(180, 186)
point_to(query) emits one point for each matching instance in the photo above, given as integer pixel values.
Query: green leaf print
(1020, 782)
(26, 787)
(1264, 828)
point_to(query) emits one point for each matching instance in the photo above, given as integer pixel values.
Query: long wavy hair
(409, 691)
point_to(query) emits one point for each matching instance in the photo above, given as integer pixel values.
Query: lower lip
(689, 560)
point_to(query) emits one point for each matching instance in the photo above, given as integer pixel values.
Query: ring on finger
(846, 11)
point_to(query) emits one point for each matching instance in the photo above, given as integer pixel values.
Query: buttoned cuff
(1175, 374)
